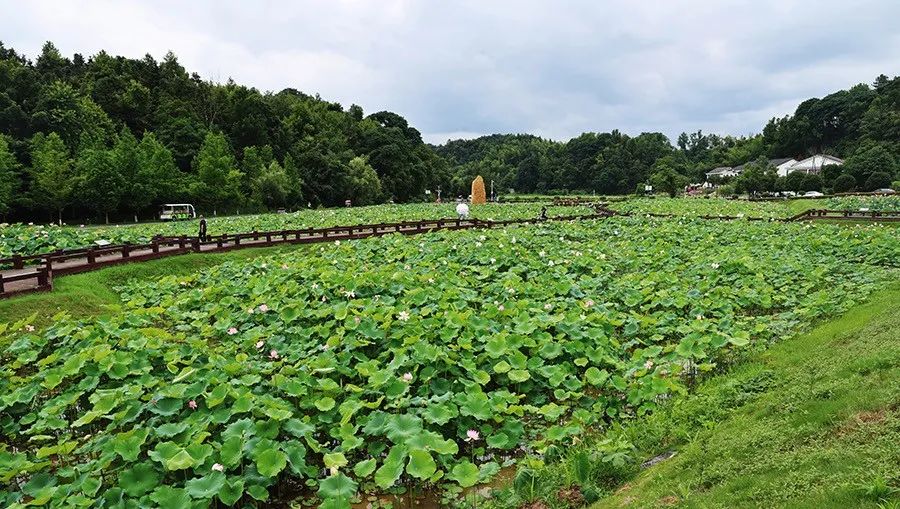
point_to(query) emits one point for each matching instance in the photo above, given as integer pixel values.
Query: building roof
(780, 161)
(816, 162)
(720, 170)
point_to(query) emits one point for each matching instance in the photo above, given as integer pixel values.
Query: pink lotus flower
(472, 435)
(588, 303)
(284, 266)
(648, 364)
(259, 344)
(29, 328)
(192, 404)
(232, 331)
(263, 308)
(501, 307)
(407, 377)
(218, 467)
(273, 354)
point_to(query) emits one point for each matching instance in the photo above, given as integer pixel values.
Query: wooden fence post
(42, 278)
(17, 262)
(91, 257)
(1, 284)
(126, 250)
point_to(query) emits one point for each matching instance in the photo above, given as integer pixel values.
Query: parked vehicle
(177, 211)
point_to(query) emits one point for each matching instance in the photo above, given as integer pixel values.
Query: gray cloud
(470, 67)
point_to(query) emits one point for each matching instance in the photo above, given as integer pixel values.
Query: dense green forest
(861, 124)
(108, 136)
(115, 136)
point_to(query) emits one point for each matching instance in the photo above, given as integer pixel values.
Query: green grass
(812, 422)
(93, 293)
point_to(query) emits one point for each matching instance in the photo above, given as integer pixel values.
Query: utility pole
(492, 189)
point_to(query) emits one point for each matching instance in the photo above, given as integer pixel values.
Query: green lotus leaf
(171, 498)
(128, 444)
(139, 479)
(465, 474)
(270, 462)
(364, 468)
(325, 404)
(230, 452)
(335, 459)
(231, 491)
(595, 376)
(170, 429)
(421, 464)
(338, 486)
(391, 468)
(207, 486)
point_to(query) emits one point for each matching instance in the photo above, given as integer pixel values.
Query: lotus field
(696, 207)
(402, 363)
(35, 239)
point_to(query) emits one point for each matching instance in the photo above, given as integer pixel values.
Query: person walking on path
(543, 215)
(202, 229)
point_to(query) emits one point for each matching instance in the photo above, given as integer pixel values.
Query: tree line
(113, 136)
(860, 125)
(109, 136)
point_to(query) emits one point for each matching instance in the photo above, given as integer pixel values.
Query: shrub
(844, 183)
(878, 180)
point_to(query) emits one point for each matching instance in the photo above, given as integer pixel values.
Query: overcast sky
(463, 68)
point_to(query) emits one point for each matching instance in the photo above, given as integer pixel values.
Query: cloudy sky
(462, 68)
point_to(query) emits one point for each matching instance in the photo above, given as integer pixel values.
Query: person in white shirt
(462, 210)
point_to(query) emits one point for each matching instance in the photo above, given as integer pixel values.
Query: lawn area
(812, 422)
(94, 293)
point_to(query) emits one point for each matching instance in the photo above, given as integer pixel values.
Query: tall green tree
(667, 180)
(52, 173)
(364, 186)
(219, 179)
(9, 176)
(272, 187)
(100, 181)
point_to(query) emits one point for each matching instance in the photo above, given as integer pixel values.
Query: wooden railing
(844, 215)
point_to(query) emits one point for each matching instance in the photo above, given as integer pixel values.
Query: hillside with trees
(860, 125)
(108, 136)
(113, 137)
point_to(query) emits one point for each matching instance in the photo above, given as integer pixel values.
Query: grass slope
(812, 422)
(93, 293)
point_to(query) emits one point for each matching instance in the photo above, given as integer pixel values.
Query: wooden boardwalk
(36, 273)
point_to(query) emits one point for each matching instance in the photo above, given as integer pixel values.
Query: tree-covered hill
(112, 135)
(861, 125)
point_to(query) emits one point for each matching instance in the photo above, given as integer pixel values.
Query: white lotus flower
(403, 316)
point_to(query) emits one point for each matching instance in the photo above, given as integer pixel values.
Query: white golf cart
(176, 211)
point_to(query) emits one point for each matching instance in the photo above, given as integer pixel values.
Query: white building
(814, 164)
(721, 171)
(782, 165)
